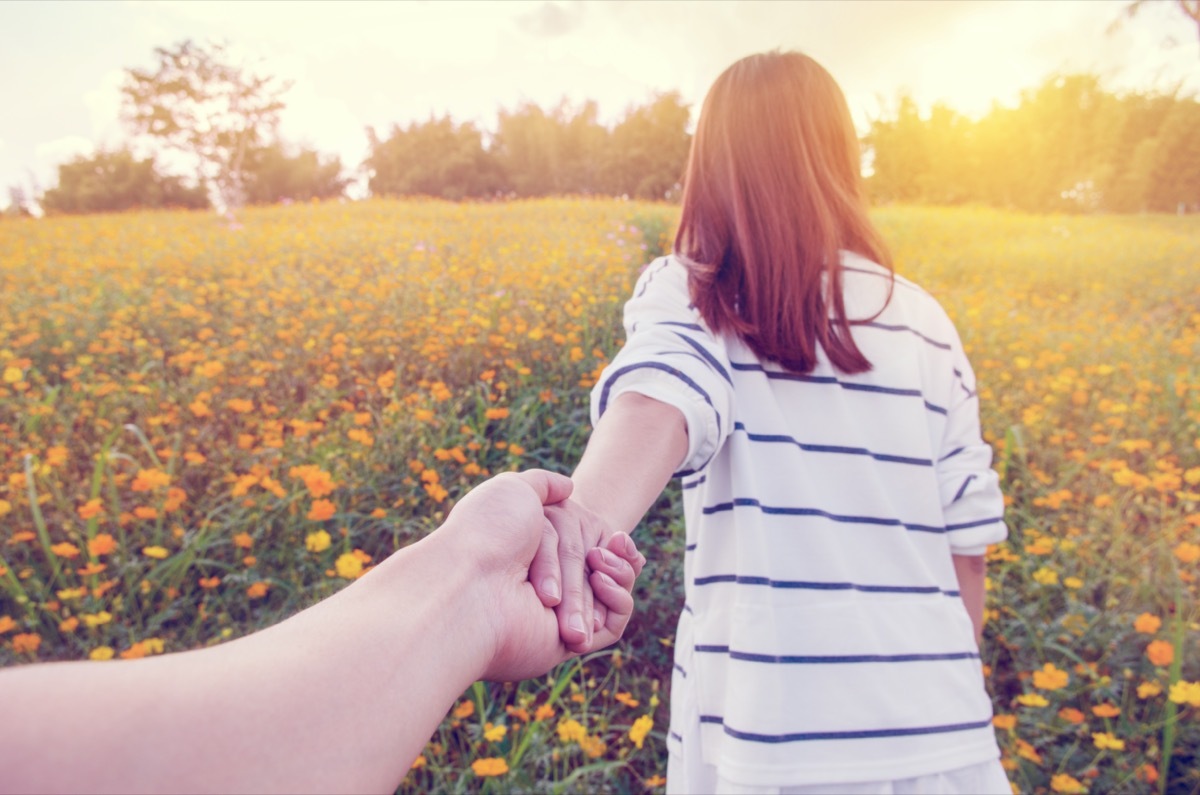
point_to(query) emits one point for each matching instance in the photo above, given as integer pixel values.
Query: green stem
(1177, 639)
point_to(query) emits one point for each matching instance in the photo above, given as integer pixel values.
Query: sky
(374, 64)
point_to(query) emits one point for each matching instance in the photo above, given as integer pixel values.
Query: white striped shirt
(823, 638)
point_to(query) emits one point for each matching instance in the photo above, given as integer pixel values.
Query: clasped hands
(561, 579)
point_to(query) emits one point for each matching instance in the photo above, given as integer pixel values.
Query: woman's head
(773, 191)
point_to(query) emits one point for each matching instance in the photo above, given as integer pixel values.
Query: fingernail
(606, 579)
(609, 558)
(575, 623)
(550, 588)
(597, 620)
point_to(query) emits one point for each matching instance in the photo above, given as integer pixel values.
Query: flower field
(204, 429)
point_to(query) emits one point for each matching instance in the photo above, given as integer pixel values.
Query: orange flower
(143, 512)
(69, 625)
(26, 642)
(489, 767)
(1160, 653)
(543, 712)
(1004, 722)
(464, 710)
(1187, 552)
(1147, 623)
(102, 544)
(1106, 711)
(65, 550)
(1071, 715)
(243, 541)
(208, 583)
(7, 624)
(150, 479)
(89, 509)
(257, 591)
(322, 510)
(1050, 678)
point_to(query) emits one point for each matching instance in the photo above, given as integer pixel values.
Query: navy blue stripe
(886, 327)
(680, 324)
(676, 737)
(810, 585)
(749, 502)
(828, 448)
(693, 484)
(951, 454)
(781, 375)
(962, 489)
(666, 368)
(836, 659)
(690, 548)
(688, 609)
(978, 523)
(865, 734)
(708, 357)
(650, 277)
(681, 670)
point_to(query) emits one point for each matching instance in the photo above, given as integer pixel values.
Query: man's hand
(497, 529)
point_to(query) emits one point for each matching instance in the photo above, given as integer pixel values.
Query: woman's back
(823, 631)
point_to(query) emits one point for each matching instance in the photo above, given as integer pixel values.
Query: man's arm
(340, 697)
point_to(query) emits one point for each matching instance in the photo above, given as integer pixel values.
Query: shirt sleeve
(671, 356)
(972, 503)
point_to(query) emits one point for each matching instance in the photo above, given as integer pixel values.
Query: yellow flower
(12, 375)
(570, 730)
(155, 552)
(1031, 700)
(489, 767)
(594, 747)
(349, 566)
(1149, 689)
(1067, 785)
(1105, 741)
(1045, 576)
(1185, 693)
(101, 653)
(5, 507)
(1147, 623)
(93, 620)
(494, 734)
(1050, 678)
(640, 728)
(318, 541)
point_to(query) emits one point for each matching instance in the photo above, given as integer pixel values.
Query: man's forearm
(339, 697)
(630, 457)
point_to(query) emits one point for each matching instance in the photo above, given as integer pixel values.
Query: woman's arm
(340, 697)
(972, 571)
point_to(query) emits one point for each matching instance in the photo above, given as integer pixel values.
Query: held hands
(519, 529)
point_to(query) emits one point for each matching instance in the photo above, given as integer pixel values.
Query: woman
(837, 494)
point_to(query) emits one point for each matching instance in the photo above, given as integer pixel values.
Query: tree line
(1068, 145)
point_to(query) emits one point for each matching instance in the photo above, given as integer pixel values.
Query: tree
(116, 181)
(197, 102)
(649, 149)
(273, 174)
(435, 158)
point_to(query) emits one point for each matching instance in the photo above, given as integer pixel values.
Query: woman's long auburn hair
(773, 192)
